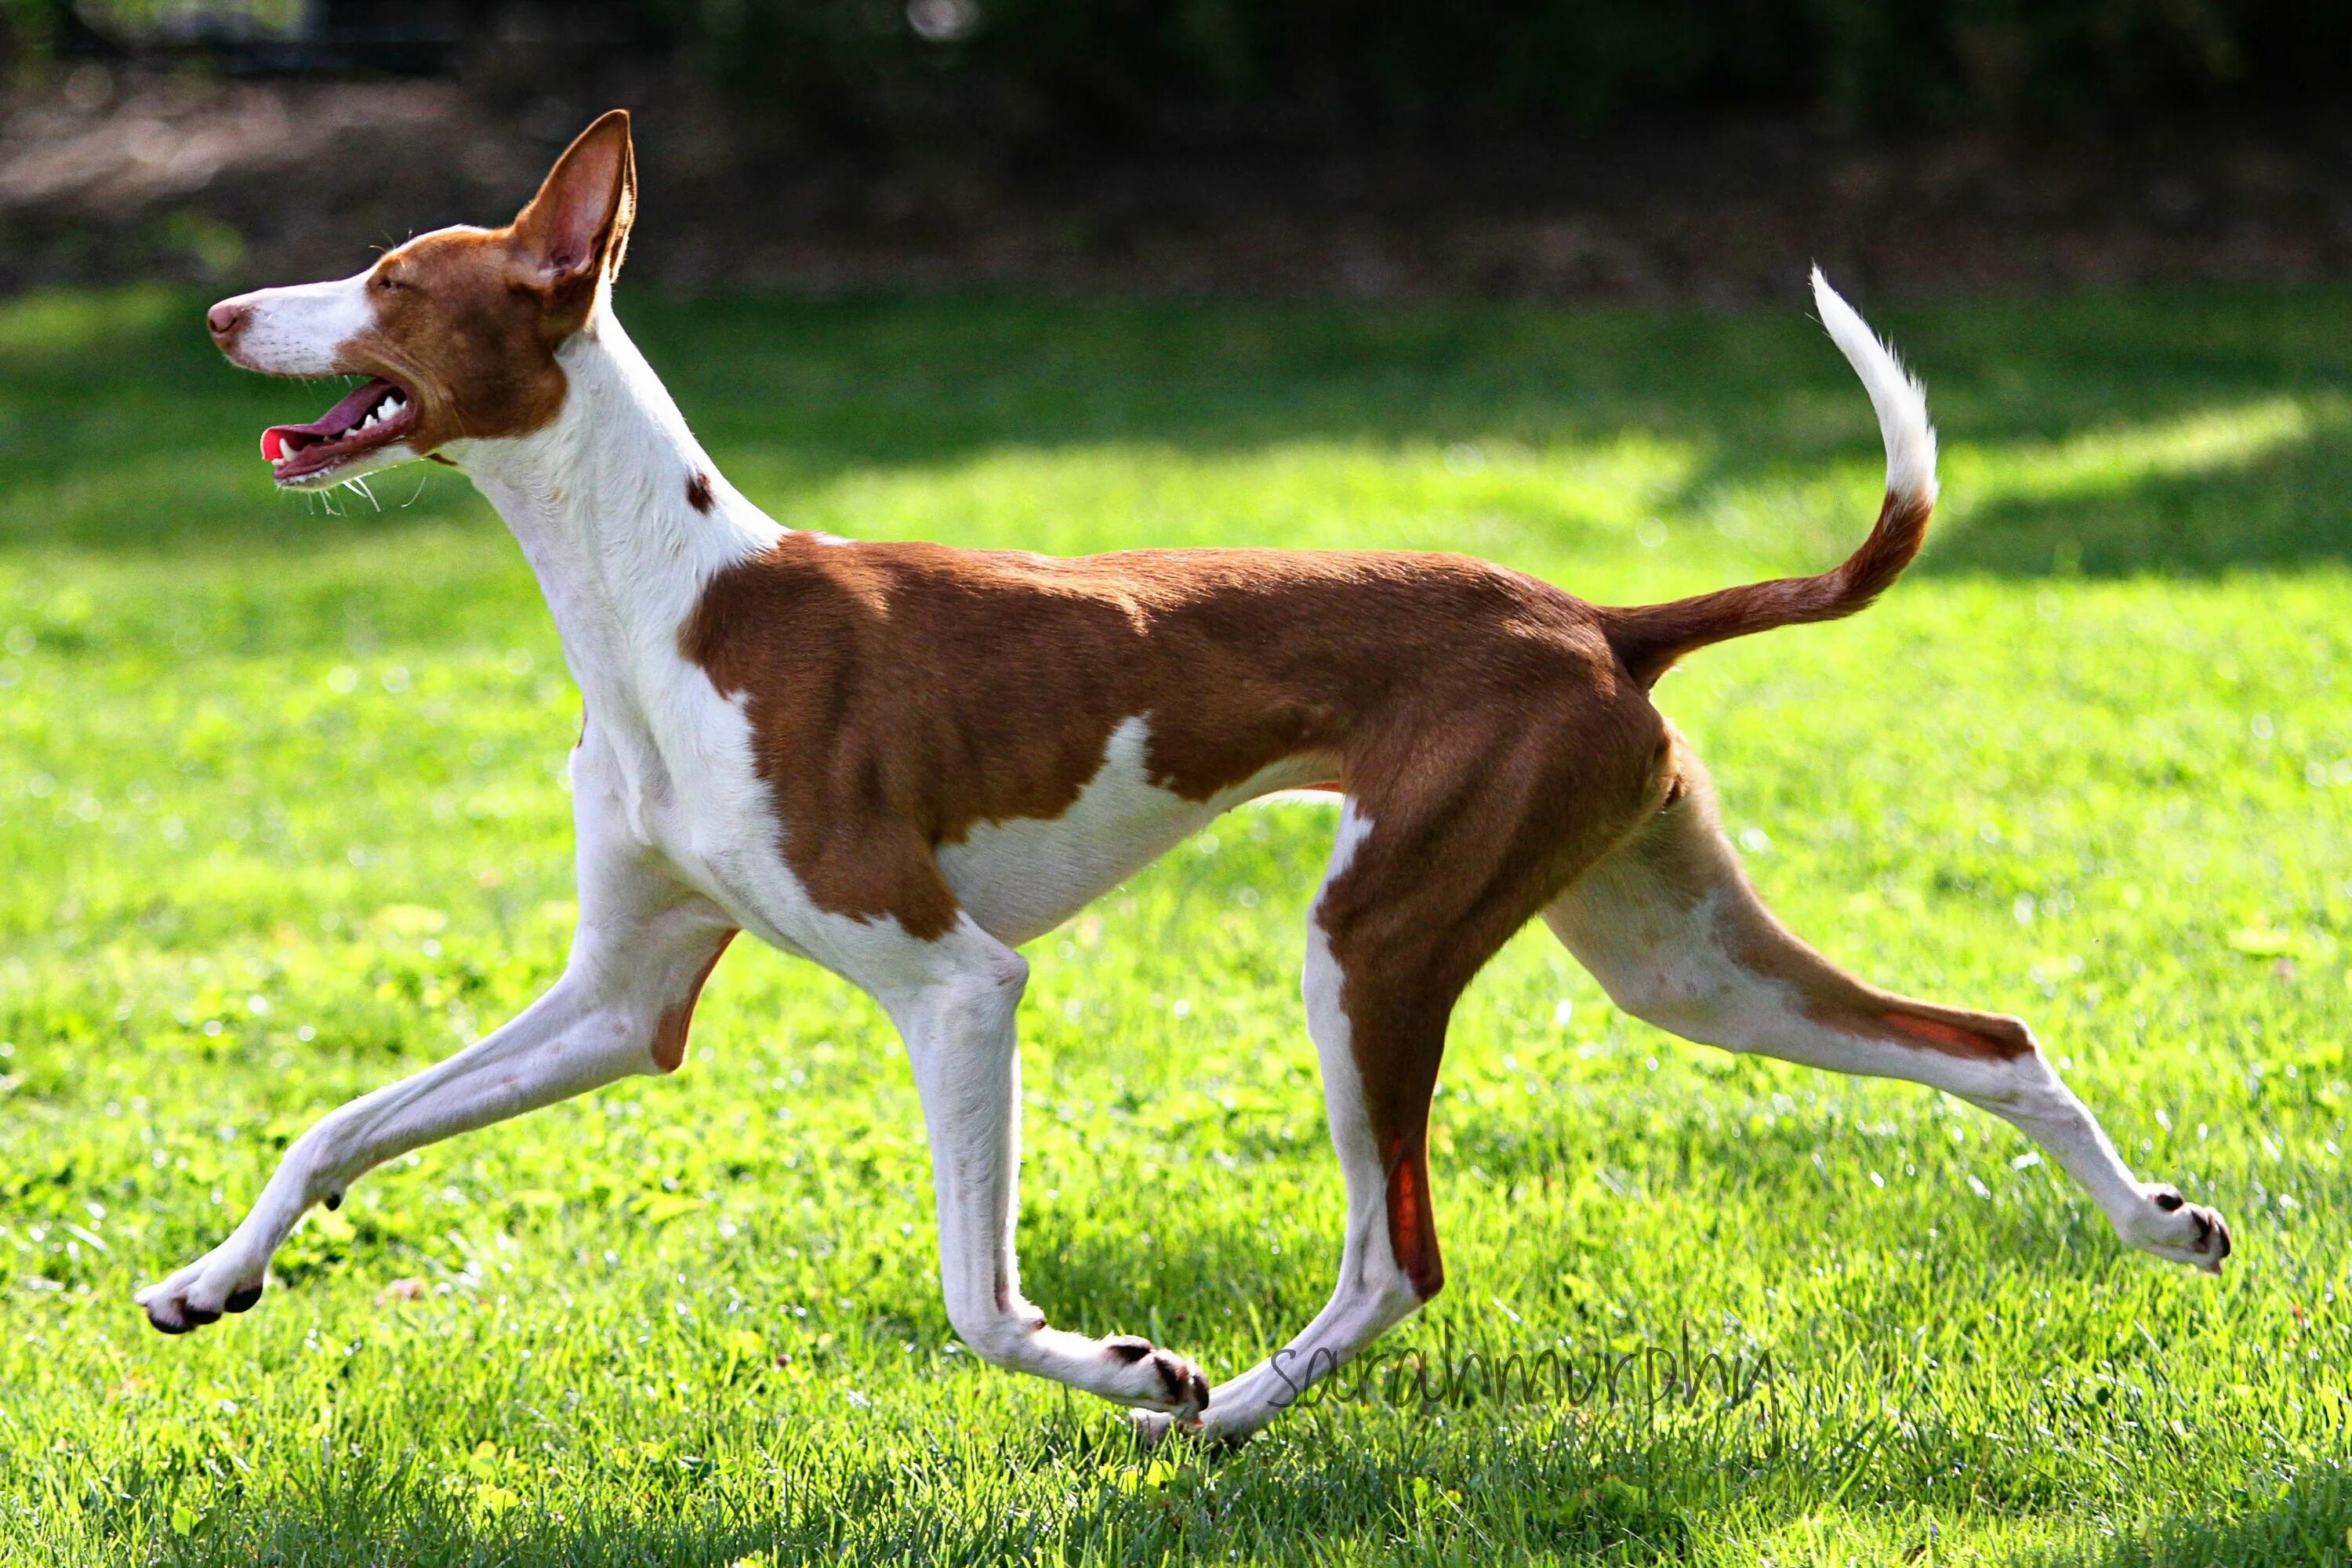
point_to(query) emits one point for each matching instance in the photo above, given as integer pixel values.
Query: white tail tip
(1895, 393)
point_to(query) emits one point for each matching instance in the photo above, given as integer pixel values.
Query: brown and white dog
(902, 761)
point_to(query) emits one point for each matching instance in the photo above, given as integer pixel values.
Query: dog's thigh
(1670, 926)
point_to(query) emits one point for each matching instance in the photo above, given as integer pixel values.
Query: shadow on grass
(123, 431)
(2308, 1522)
(2287, 505)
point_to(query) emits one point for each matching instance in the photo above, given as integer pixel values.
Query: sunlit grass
(281, 805)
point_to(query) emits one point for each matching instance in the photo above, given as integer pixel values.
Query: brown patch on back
(901, 694)
(669, 1031)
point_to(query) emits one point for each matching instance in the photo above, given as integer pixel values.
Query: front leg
(645, 945)
(953, 1000)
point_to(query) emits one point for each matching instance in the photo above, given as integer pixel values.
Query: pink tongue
(333, 421)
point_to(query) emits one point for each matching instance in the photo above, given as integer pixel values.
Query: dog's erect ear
(570, 235)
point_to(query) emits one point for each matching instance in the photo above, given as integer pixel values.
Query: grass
(280, 802)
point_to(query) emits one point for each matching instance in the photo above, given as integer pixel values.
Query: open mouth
(370, 418)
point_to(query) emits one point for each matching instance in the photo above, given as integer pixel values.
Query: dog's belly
(1022, 878)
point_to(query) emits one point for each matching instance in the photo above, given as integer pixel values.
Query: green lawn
(282, 816)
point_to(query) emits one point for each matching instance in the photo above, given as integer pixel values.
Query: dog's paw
(1160, 1381)
(220, 1282)
(2171, 1226)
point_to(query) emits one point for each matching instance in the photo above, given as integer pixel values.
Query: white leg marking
(954, 1001)
(642, 945)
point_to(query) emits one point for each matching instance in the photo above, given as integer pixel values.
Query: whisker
(359, 482)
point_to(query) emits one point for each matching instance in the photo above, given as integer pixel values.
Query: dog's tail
(1650, 638)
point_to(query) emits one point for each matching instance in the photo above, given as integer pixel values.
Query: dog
(903, 761)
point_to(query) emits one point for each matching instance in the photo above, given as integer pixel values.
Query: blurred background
(1652, 151)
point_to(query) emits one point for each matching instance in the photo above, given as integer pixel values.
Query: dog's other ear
(570, 235)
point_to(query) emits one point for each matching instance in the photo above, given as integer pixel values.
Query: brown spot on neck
(698, 490)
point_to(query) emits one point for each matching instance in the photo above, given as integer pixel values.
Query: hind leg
(1376, 1287)
(1670, 926)
(1420, 893)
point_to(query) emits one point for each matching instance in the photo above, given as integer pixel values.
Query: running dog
(903, 761)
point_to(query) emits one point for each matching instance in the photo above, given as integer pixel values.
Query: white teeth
(390, 407)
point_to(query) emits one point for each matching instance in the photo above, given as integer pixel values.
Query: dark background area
(1642, 150)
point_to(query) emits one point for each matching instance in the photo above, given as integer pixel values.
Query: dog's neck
(621, 514)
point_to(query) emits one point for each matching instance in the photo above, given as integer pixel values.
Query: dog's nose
(224, 319)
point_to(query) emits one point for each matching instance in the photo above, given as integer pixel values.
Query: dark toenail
(198, 1316)
(1176, 1377)
(242, 1300)
(162, 1327)
(1127, 1348)
(2169, 1201)
(335, 1200)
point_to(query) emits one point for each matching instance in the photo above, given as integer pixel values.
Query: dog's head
(456, 331)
